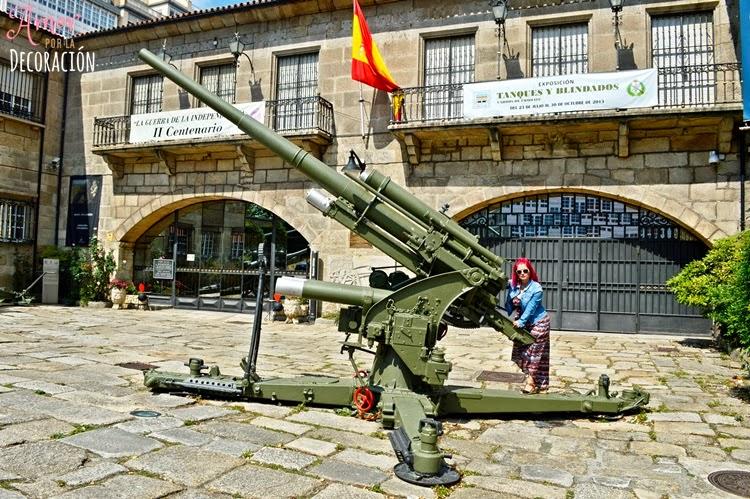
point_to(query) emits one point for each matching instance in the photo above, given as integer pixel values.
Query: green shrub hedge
(719, 284)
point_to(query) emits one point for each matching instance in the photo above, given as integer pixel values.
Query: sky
(207, 4)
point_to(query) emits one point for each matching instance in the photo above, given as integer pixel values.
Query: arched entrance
(216, 245)
(603, 262)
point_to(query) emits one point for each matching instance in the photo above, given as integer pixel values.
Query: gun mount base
(411, 415)
(446, 476)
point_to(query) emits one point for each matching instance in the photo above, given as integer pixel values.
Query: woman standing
(524, 306)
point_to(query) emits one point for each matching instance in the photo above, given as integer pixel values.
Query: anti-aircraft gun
(456, 283)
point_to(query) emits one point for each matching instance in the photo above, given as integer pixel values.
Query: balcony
(305, 121)
(699, 95)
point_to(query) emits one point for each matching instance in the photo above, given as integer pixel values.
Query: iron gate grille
(603, 263)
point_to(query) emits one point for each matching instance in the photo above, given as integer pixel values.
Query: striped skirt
(534, 359)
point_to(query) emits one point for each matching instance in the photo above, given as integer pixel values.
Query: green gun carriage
(456, 283)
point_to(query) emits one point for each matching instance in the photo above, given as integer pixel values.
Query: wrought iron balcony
(309, 115)
(682, 87)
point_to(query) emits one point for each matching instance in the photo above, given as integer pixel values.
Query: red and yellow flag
(367, 64)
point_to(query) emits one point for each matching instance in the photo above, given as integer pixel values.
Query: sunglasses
(522, 271)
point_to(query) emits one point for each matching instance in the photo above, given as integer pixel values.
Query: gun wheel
(446, 476)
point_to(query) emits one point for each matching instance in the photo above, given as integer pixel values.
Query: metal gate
(603, 263)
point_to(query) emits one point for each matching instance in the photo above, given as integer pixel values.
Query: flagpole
(361, 111)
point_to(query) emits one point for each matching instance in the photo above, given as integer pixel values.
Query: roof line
(196, 14)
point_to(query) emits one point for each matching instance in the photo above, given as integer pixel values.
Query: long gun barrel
(330, 291)
(420, 238)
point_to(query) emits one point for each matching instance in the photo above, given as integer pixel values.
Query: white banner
(554, 94)
(189, 123)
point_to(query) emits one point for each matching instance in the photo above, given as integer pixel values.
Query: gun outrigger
(456, 283)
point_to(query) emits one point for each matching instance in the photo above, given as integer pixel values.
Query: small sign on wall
(163, 268)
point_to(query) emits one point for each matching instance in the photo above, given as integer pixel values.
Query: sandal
(529, 387)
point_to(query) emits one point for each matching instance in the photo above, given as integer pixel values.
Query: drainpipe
(62, 159)
(40, 165)
(743, 154)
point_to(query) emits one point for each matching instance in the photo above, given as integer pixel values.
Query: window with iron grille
(146, 94)
(296, 91)
(184, 234)
(682, 47)
(220, 80)
(20, 93)
(208, 246)
(15, 221)
(448, 64)
(238, 245)
(560, 50)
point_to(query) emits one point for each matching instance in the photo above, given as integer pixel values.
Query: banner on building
(202, 122)
(83, 209)
(745, 57)
(555, 94)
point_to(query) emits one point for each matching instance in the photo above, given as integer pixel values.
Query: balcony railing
(313, 115)
(680, 87)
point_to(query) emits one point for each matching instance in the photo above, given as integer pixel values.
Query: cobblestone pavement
(66, 429)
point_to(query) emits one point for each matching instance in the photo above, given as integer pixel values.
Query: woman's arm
(530, 309)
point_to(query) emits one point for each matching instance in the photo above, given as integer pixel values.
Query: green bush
(719, 284)
(92, 268)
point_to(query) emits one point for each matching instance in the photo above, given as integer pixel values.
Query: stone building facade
(30, 106)
(675, 164)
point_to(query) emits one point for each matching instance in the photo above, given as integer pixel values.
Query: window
(449, 63)
(296, 91)
(208, 246)
(146, 94)
(559, 50)
(220, 80)
(15, 221)
(682, 48)
(20, 93)
(183, 238)
(238, 245)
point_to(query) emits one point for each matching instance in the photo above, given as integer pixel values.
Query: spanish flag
(367, 65)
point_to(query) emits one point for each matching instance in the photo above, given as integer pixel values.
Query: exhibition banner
(202, 122)
(555, 94)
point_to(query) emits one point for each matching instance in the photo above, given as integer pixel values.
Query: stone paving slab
(41, 458)
(282, 457)
(113, 442)
(699, 419)
(89, 474)
(185, 465)
(255, 481)
(125, 487)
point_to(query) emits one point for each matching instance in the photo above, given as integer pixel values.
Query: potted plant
(91, 269)
(118, 293)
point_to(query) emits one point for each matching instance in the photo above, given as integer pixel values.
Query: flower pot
(118, 296)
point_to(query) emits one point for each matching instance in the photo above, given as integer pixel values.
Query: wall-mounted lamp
(355, 166)
(237, 49)
(625, 58)
(166, 56)
(54, 164)
(714, 157)
(512, 63)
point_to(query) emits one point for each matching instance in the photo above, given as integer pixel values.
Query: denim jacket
(532, 310)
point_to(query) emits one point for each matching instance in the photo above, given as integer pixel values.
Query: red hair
(532, 271)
